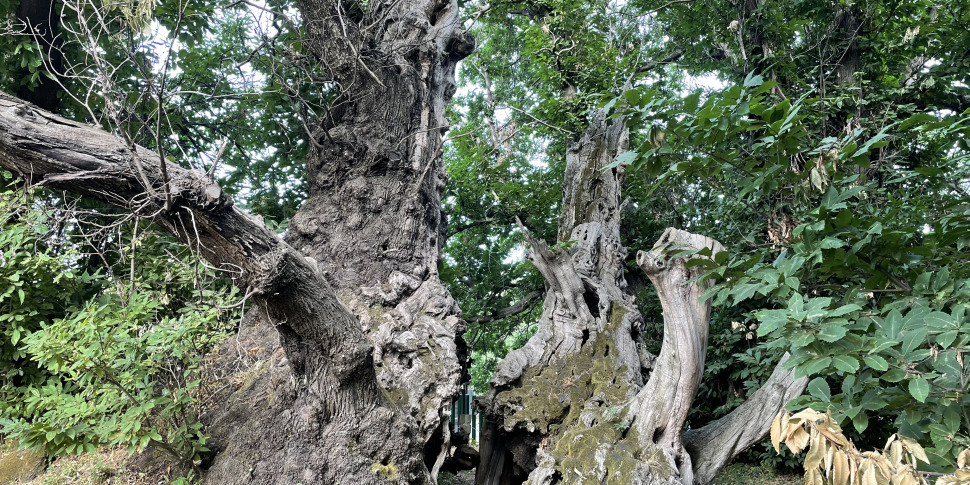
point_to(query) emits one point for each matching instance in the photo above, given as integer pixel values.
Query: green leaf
(771, 320)
(753, 80)
(691, 101)
(892, 324)
(832, 332)
(916, 119)
(946, 339)
(860, 422)
(842, 310)
(625, 158)
(832, 243)
(745, 291)
(876, 362)
(894, 375)
(819, 388)
(939, 320)
(875, 142)
(800, 337)
(919, 388)
(913, 339)
(922, 281)
(882, 344)
(846, 363)
(813, 366)
(941, 279)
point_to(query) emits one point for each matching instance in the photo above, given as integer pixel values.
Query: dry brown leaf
(867, 473)
(899, 479)
(889, 442)
(963, 458)
(914, 449)
(880, 465)
(814, 477)
(816, 452)
(829, 456)
(909, 476)
(853, 471)
(834, 434)
(797, 440)
(788, 427)
(808, 414)
(776, 431)
(841, 472)
(895, 453)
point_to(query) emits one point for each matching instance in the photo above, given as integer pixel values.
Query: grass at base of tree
(106, 467)
(747, 474)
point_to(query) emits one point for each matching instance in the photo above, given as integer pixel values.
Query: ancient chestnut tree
(361, 343)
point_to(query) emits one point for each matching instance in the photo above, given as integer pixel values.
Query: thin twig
(537, 120)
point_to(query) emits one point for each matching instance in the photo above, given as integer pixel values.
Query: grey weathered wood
(661, 407)
(713, 446)
(586, 316)
(588, 309)
(375, 179)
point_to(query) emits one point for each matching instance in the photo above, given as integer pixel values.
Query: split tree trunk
(583, 401)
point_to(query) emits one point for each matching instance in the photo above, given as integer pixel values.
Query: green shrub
(89, 359)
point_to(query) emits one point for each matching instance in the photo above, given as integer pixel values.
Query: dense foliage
(825, 144)
(845, 211)
(827, 151)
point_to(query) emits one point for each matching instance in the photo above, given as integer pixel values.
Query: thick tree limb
(50, 150)
(661, 407)
(329, 387)
(714, 446)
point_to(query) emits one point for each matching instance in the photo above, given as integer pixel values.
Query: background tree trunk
(583, 401)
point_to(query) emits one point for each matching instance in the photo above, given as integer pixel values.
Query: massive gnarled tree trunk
(373, 225)
(583, 401)
(371, 350)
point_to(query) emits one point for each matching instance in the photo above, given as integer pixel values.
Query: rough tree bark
(361, 340)
(374, 226)
(332, 386)
(583, 401)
